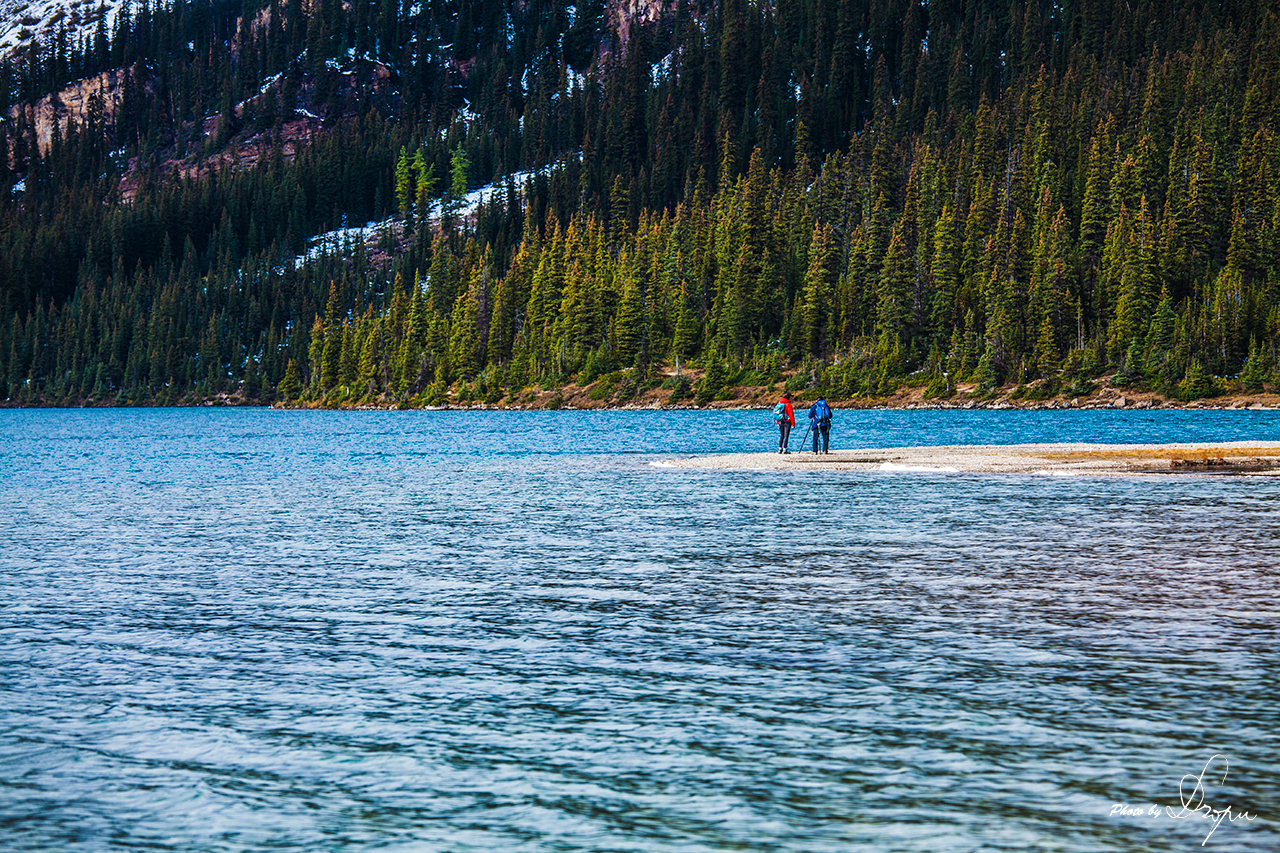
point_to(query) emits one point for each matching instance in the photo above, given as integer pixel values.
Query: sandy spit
(1230, 457)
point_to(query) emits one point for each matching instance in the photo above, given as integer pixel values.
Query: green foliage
(799, 381)
(1043, 390)
(459, 170)
(1073, 367)
(1131, 369)
(436, 394)
(711, 383)
(630, 386)
(680, 387)
(291, 385)
(405, 184)
(940, 387)
(985, 374)
(1078, 388)
(606, 386)
(597, 364)
(1254, 372)
(1197, 383)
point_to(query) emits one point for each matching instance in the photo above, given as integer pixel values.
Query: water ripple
(248, 630)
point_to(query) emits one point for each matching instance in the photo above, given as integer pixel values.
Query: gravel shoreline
(1230, 457)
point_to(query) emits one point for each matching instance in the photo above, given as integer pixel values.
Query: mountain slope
(847, 196)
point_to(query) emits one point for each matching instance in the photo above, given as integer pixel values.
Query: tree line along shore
(876, 202)
(687, 392)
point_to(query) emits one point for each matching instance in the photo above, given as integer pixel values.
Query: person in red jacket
(785, 417)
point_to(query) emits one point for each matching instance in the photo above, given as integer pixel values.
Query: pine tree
(426, 181)
(349, 361)
(1128, 269)
(629, 325)
(330, 357)
(944, 275)
(369, 367)
(404, 183)
(1254, 371)
(291, 385)
(817, 326)
(464, 337)
(460, 168)
(893, 299)
(1094, 216)
(687, 328)
(1046, 355)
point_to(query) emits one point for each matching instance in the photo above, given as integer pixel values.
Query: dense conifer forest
(842, 195)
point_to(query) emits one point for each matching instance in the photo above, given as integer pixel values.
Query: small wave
(926, 469)
(1049, 473)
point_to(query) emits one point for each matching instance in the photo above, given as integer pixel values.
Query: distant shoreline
(1102, 394)
(1263, 402)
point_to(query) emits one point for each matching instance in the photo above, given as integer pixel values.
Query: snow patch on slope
(470, 203)
(21, 21)
(345, 240)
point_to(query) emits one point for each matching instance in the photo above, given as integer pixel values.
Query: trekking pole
(804, 442)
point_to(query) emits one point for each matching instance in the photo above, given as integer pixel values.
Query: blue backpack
(780, 412)
(822, 412)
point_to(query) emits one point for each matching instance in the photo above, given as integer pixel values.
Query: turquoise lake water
(232, 630)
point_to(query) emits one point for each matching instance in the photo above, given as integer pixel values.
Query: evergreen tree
(405, 184)
(816, 309)
(291, 384)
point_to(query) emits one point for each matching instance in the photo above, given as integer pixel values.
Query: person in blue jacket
(820, 424)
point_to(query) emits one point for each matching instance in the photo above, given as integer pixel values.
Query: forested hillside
(844, 196)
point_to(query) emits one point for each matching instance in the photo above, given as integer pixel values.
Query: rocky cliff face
(622, 15)
(72, 104)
